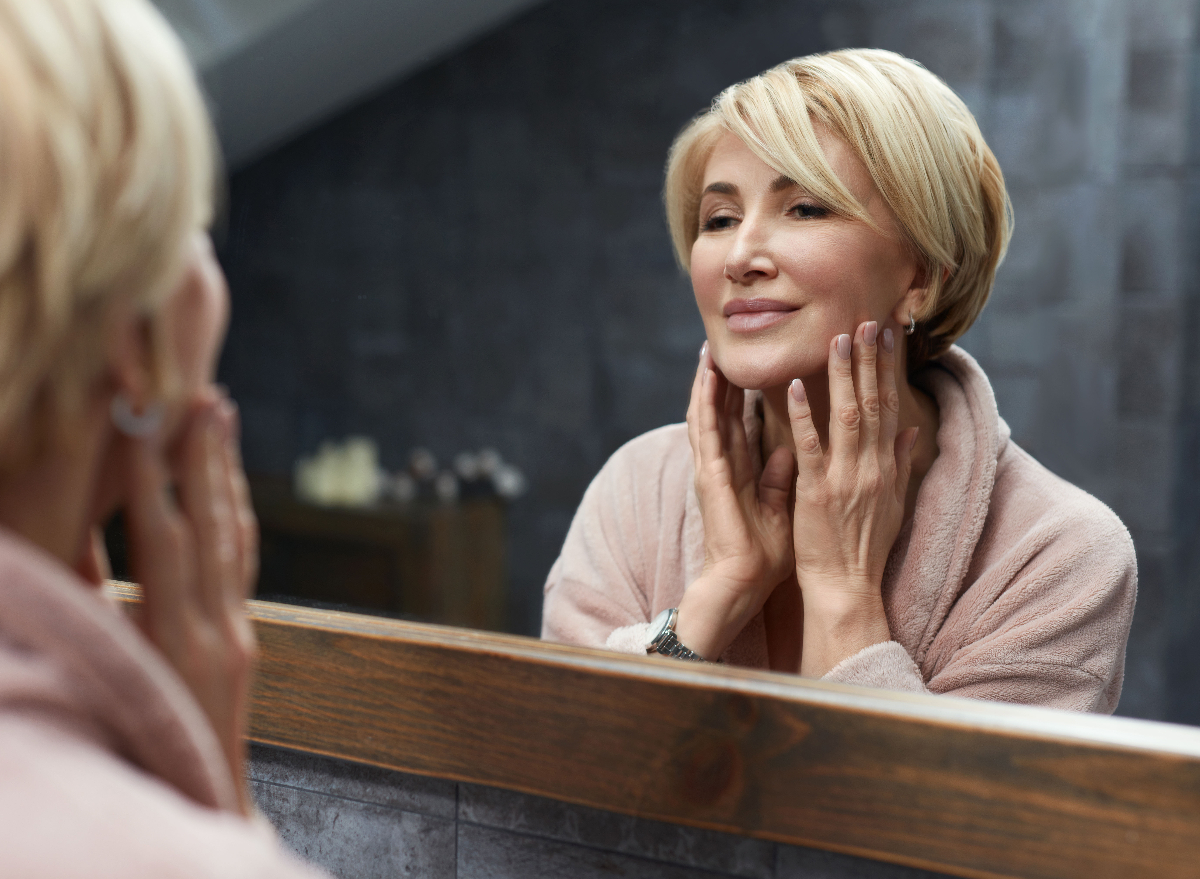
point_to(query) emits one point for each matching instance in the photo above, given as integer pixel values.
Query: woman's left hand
(849, 498)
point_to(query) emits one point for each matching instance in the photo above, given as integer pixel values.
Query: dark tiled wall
(477, 256)
(359, 822)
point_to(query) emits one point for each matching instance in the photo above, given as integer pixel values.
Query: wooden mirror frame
(968, 788)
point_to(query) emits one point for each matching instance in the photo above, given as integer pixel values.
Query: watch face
(657, 626)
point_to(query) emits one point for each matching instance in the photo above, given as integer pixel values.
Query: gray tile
(1065, 250)
(1144, 499)
(357, 840)
(1152, 237)
(796, 862)
(353, 781)
(497, 854)
(1147, 355)
(1155, 130)
(707, 849)
(1160, 22)
(1039, 112)
(950, 37)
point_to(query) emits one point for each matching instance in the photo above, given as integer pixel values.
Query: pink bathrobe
(108, 766)
(1008, 583)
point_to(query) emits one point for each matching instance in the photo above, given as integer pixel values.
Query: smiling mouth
(749, 315)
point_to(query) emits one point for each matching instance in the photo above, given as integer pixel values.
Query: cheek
(856, 277)
(708, 275)
(199, 329)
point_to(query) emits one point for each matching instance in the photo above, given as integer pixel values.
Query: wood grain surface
(968, 788)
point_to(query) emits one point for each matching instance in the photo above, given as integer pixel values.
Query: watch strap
(668, 644)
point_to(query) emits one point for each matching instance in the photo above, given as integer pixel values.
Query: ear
(130, 357)
(916, 298)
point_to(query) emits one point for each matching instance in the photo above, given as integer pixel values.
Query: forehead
(731, 161)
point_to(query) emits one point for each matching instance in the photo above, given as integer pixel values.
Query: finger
(844, 417)
(905, 443)
(160, 547)
(693, 412)
(243, 505)
(735, 435)
(889, 395)
(207, 504)
(866, 385)
(776, 484)
(712, 387)
(810, 457)
(93, 564)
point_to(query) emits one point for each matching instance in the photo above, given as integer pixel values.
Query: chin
(757, 371)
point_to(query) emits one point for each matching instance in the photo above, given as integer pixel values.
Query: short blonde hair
(919, 142)
(107, 167)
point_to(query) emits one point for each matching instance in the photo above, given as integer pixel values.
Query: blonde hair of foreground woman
(920, 144)
(108, 170)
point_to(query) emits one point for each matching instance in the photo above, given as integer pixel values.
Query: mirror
(445, 232)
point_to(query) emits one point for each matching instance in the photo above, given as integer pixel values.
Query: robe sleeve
(600, 585)
(1048, 623)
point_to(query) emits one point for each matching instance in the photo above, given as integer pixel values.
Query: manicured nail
(226, 417)
(703, 350)
(888, 341)
(870, 331)
(235, 422)
(843, 346)
(798, 390)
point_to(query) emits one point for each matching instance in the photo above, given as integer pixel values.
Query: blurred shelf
(441, 563)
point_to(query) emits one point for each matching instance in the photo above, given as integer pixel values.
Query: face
(777, 275)
(195, 318)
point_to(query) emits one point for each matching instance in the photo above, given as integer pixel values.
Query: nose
(749, 257)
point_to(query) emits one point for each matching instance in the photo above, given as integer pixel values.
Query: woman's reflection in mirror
(844, 500)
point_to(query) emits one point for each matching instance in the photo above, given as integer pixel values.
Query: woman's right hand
(195, 553)
(747, 526)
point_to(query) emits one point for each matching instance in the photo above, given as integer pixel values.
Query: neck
(52, 502)
(917, 409)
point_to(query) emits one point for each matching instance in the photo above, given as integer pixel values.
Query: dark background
(477, 256)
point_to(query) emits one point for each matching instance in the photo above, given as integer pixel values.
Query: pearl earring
(135, 424)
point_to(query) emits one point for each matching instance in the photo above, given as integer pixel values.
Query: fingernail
(843, 346)
(870, 331)
(225, 418)
(798, 390)
(888, 341)
(703, 350)
(235, 422)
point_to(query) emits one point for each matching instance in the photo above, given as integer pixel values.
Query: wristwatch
(664, 640)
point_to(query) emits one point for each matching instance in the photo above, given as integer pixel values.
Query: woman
(121, 746)
(862, 516)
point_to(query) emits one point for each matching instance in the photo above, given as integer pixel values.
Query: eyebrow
(779, 184)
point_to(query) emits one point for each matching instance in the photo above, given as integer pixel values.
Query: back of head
(106, 170)
(919, 142)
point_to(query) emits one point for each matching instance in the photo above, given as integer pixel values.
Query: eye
(717, 222)
(807, 210)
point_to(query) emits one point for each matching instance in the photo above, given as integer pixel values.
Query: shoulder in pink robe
(108, 766)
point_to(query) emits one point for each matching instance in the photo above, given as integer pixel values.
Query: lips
(749, 315)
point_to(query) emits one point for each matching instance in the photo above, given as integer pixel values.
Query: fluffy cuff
(629, 639)
(885, 666)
